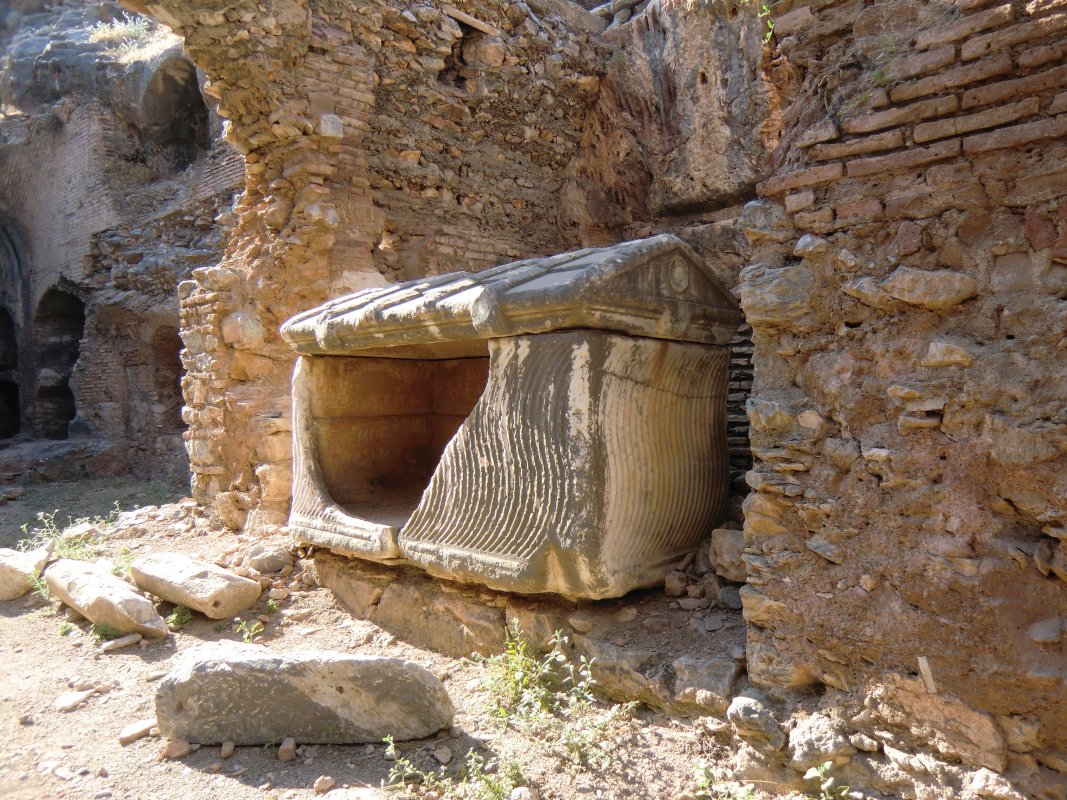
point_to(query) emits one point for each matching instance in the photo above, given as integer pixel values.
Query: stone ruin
(883, 185)
(552, 425)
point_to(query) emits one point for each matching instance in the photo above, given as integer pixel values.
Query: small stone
(136, 730)
(628, 614)
(944, 354)
(68, 701)
(287, 749)
(121, 642)
(581, 621)
(323, 784)
(713, 622)
(227, 749)
(675, 584)
(278, 594)
(267, 557)
(176, 748)
(862, 741)
(443, 754)
(726, 547)
(809, 245)
(524, 793)
(730, 597)
(693, 603)
(26, 719)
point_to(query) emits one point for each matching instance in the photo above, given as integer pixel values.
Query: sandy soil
(47, 753)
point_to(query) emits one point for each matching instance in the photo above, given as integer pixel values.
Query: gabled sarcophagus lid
(551, 425)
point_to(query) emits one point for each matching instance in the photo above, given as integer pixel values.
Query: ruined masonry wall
(380, 143)
(907, 293)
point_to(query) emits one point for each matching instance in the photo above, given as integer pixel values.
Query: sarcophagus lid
(551, 425)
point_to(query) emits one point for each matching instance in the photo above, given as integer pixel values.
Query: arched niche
(173, 112)
(58, 327)
(167, 375)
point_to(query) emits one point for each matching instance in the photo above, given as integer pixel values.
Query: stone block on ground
(228, 691)
(196, 584)
(268, 557)
(102, 598)
(18, 571)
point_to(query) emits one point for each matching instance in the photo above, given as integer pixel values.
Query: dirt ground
(76, 754)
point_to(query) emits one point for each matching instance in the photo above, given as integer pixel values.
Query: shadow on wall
(58, 326)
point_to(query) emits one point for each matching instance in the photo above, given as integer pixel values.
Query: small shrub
(65, 629)
(827, 788)
(551, 698)
(128, 29)
(103, 632)
(270, 607)
(710, 785)
(248, 632)
(178, 617)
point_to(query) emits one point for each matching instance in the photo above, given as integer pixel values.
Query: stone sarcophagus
(551, 425)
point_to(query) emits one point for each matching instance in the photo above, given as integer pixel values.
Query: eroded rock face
(200, 585)
(99, 596)
(248, 695)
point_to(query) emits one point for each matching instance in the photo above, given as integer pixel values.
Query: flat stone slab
(18, 571)
(247, 694)
(102, 598)
(196, 584)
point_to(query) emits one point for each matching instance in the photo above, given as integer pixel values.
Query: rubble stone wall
(906, 291)
(380, 143)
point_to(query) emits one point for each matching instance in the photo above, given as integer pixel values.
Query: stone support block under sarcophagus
(551, 425)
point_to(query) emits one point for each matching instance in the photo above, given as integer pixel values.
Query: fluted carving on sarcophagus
(551, 425)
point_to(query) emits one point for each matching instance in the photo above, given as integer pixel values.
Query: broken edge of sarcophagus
(551, 425)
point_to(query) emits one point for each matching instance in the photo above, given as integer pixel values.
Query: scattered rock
(730, 597)
(176, 748)
(121, 642)
(18, 571)
(68, 701)
(197, 584)
(524, 793)
(675, 584)
(81, 532)
(726, 547)
(816, 740)
(442, 754)
(628, 614)
(287, 749)
(704, 684)
(862, 741)
(215, 693)
(227, 749)
(755, 723)
(102, 598)
(136, 730)
(268, 557)
(323, 784)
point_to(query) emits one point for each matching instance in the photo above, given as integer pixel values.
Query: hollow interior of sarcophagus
(381, 424)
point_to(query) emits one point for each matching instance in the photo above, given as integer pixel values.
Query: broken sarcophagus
(550, 425)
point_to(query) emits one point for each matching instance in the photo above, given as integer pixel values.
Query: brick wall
(906, 292)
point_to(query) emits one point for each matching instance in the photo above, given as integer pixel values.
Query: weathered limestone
(99, 596)
(197, 584)
(18, 570)
(607, 448)
(248, 695)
